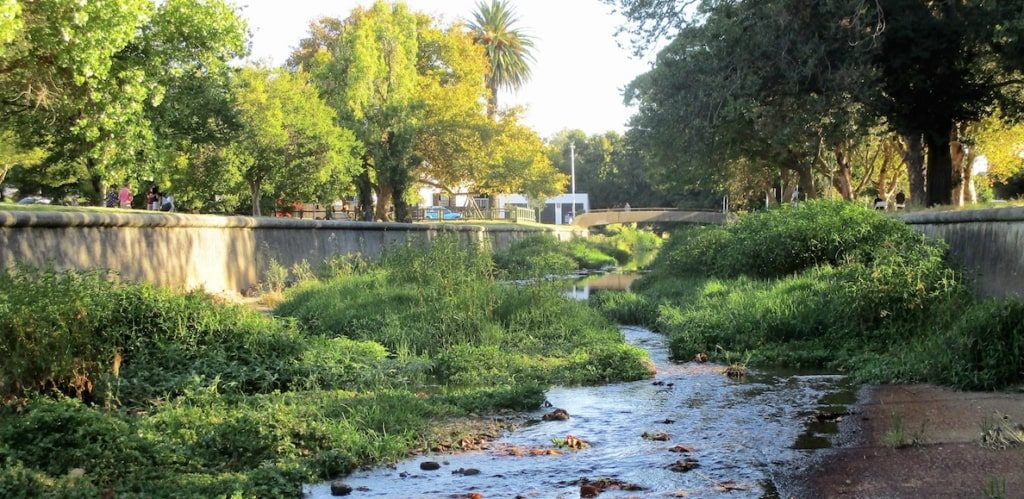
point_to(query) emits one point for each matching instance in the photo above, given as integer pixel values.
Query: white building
(557, 210)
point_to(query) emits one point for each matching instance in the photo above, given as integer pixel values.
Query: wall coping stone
(1008, 214)
(53, 219)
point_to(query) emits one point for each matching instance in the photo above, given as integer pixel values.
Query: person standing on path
(124, 198)
(112, 197)
(153, 198)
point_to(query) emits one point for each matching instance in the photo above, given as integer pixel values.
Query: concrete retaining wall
(220, 254)
(989, 244)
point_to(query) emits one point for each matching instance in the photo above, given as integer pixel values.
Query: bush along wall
(826, 285)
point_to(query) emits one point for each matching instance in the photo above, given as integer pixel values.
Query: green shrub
(535, 256)
(832, 285)
(450, 308)
(789, 239)
(543, 255)
(626, 308)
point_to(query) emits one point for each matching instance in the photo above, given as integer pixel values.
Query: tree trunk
(940, 168)
(401, 206)
(383, 201)
(913, 157)
(492, 100)
(971, 195)
(843, 178)
(365, 188)
(785, 193)
(807, 188)
(256, 192)
(100, 188)
(958, 154)
(98, 185)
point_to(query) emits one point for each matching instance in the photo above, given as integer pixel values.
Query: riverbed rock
(701, 357)
(681, 448)
(589, 490)
(76, 472)
(340, 488)
(656, 436)
(430, 465)
(684, 465)
(466, 471)
(596, 487)
(557, 415)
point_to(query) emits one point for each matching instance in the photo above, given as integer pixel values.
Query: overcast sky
(577, 77)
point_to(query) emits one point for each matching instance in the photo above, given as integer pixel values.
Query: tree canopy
(791, 88)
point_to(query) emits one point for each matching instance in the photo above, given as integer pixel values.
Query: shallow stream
(742, 432)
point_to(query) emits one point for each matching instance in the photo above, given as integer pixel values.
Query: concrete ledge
(987, 244)
(168, 220)
(217, 253)
(1008, 214)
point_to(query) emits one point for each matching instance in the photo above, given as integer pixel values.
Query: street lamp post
(572, 167)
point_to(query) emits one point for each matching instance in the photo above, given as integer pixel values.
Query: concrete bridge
(595, 218)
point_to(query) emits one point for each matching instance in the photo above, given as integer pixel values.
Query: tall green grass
(827, 285)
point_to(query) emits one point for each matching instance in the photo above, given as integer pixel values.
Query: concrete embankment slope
(220, 254)
(988, 244)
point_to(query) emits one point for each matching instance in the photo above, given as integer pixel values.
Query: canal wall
(988, 244)
(219, 254)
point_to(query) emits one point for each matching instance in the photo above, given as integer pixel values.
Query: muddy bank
(917, 441)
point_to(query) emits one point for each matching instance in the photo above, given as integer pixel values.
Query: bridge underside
(594, 219)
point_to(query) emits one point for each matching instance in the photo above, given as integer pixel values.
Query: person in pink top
(124, 198)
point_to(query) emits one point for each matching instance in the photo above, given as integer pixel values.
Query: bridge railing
(631, 209)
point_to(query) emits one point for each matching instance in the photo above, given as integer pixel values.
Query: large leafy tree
(367, 70)
(80, 78)
(943, 65)
(508, 48)
(414, 92)
(926, 69)
(752, 86)
(288, 144)
(516, 162)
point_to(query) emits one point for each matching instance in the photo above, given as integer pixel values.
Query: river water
(741, 432)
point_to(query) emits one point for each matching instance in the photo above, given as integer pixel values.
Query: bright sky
(579, 71)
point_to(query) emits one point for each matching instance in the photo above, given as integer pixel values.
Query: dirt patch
(918, 441)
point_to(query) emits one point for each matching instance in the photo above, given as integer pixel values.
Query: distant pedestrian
(627, 207)
(124, 198)
(153, 198)
(901, 200)
(111, 201)
(166, 202)
(795, 198)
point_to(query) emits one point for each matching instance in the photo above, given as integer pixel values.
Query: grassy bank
(826, 285)
(141, 391)
(623, 246)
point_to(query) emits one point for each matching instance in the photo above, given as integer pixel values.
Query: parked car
(34, 200)
(440, 213)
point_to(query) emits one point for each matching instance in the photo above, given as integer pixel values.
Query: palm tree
(507, 47)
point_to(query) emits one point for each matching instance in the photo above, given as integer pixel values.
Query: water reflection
(614, 281)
